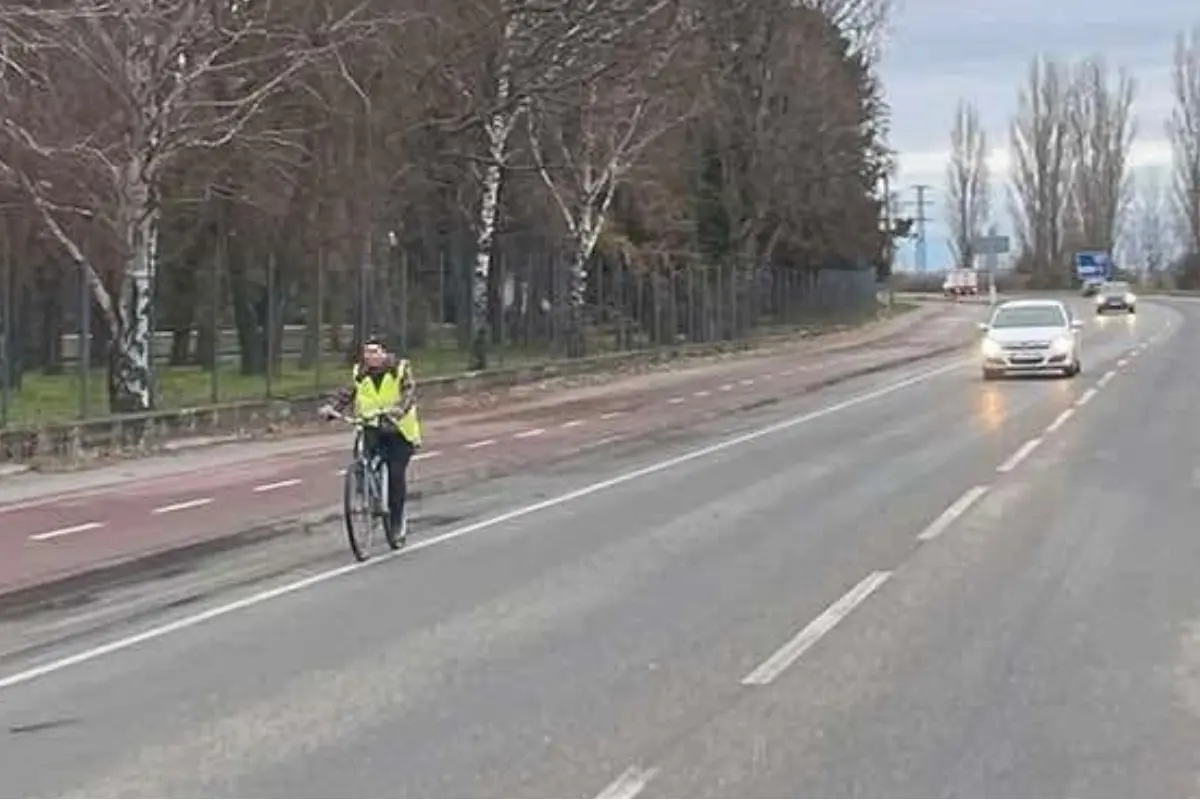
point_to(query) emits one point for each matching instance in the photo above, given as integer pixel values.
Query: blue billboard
(1093, 266)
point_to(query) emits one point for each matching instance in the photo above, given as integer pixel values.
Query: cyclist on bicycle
(383, 395)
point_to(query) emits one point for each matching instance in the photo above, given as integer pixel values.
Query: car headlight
(1099, 299)
(1130, 298)
(1062, 344)
(991, 349)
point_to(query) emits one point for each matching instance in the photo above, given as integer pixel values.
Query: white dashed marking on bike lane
(186, 505)
(87, 526)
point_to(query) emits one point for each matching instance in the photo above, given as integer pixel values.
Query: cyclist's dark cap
(379, 341)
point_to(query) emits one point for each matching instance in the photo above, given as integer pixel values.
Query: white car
(1031, 336)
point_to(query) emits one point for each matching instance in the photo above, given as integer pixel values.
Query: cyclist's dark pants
(393, 448)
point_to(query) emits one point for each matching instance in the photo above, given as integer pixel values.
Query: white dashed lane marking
(270, 487)
(484, 443)
(529, 433)
(814, 631)
(186, 505)
(1019, 456)
(956, 510)
(87, 526)
(1060, 420)
(628, 785)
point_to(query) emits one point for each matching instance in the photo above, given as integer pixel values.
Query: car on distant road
(1031, 336)
(1090, 287)
(960, 283)
(1116, 296)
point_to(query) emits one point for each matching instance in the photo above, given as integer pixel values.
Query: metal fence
(283, 330)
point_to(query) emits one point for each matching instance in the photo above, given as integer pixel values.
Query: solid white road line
(1086, 397)
(956, 510)
(87, 526)
(184, 506)
(812, 633)
(1106, 377)
(270, 487)
(529, 433)
(628, 785)
(1019, 456)
(1060, 420)
(633, 476)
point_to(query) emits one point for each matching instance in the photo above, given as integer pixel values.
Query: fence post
(270, 365)
(85, 343)
(219, 265)
(6, 328)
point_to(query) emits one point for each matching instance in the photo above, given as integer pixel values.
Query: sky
(941, 51)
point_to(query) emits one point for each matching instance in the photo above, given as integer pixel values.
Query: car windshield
(1116, 288)
(1029, 317)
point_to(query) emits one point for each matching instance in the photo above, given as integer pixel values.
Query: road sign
(1093, 265)
(991, 245)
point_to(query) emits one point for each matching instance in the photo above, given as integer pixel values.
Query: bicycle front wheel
(356, 512)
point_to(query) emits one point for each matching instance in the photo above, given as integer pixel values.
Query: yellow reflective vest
(370, 399)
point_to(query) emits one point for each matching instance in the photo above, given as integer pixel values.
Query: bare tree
(1148, 241)
(1102, 130)
(1041, 172)
(1184, 132)
(968, 184)
(585, 142)
(173, 78)
(515, 51)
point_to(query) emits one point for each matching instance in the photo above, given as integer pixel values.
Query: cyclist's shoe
(400, 526)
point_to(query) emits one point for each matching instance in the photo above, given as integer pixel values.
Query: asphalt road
(54, 528)
(913, 584)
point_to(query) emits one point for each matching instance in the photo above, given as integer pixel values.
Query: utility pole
(922, 264)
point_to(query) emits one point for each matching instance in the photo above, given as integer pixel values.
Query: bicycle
(365, 499)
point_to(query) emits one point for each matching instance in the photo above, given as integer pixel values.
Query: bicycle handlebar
(355, 420)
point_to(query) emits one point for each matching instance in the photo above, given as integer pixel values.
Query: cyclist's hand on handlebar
(327, 412)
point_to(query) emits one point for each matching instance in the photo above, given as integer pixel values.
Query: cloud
(942, 51)
(929, 166)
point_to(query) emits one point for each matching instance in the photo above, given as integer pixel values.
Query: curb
(72, 589)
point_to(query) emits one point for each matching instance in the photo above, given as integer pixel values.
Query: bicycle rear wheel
(356, 512)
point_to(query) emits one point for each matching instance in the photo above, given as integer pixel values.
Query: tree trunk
(130, 388)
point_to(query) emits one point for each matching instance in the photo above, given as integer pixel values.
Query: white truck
(961, 282)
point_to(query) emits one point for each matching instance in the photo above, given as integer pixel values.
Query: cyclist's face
(373, 355)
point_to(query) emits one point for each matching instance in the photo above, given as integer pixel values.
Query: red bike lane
(42, 538)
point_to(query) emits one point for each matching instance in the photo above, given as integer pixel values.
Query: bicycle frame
(368, 483)
(370, 471)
